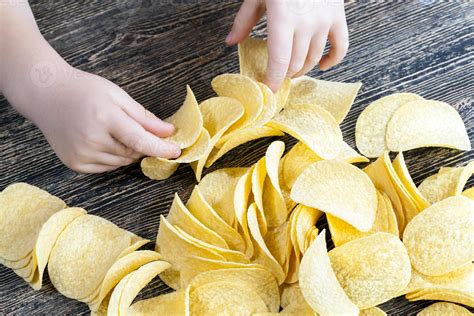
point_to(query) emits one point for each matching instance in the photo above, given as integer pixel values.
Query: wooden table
(153, 50)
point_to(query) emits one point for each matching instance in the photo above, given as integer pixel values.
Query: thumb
(249, 14)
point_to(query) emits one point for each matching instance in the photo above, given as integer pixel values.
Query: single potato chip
(23, 210)
(299, 120)
(187, 121)
(319, 285)
(253, 58)
(372, 269)
(373, 311)
(241, 201)
(258, 178)
(304, 222)
(296, 160)
(426, 123)
(372, 122)
(340, 189)
(469, 193)
(334, 97)
(439, 239)
(446, 183)
(443, 308)
(174, 303)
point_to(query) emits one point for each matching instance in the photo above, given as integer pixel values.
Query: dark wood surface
(153, 49)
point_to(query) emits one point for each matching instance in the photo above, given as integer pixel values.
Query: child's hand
(297, 34)
(95, 126)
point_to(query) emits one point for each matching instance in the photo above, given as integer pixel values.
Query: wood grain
(154, 48)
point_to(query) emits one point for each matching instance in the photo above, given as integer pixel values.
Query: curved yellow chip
(322, 290)
(23, 210)
(218, 188)
(299, 120)
(203, 212)
(273, 200)
(469, 193)
(187, 122)
(277, 240)
(173, 303)
(159, 168)
(259, 280)
(372, 269)
(447, 182)
(334, 97)
(443, 309)
(179, 215)
(246, 91)
(218, 114)
(225, 298)
(83, 254)
(439, 239)
(258, 178)
(240, 137)
(426, 123)
(340, 189)
(47, 237)
(298, 158)
(372, 122)
(241, 198)
(373, 311)
(304, 221)
(253, 58)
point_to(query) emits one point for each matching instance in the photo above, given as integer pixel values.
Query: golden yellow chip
(240, 137)
(241, 199)
(269, 106)
(23, 210)
(373, 311)
(258, 178)
(372, 122)
(334, 97)
(225, 298)
(277, 240)
(290, 293)
(350, 155)
(246, 91)
(426, 123)
(218, 115)
(187, 121)
(469, 193)
(304, 222)
(159, 168)
(173, 303)
(203, 212)
(47, 237)
(372, 269)
(253, 58)
(259, 280)
(17, 264)
(340, 189)
(299, 120)
(298, 158)
(447, 182)
(218, 188)
(83, 254)
(443, 309)
(439, 239)
(322, 290)
(179, 215)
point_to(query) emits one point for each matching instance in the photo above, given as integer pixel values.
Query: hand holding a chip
(297, 34)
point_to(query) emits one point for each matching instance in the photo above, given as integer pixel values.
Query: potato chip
(334, 97)
(49, 233)
(373, 311)
(277, 240)
(298, 158)
(310, 237)
(119, 270)
(439, 239)
(442, 296)
(258, 178)
(298, 308)
(372, 122)
(241, 199)
(426, 123)
(299, 120)
(173, 303)
(259, 280)
(23, 210)
(187, 121)
(225, 298)
(372, 269)
(290, 293)
(114, 301)
(240, 137)
(160, 168)
(341, 232)
(262, 254)
(348, 154)
(269, 106)
(322, 290)
(253, 58)
(469, 193)
(449, 182)
(246, 91)
(18, 263)
(443, 308)
(83, 254)
(304, 221)
(218, 189)
(340, 189)
(179, 215)
(203, 212)
(391, 216)
(218, 115)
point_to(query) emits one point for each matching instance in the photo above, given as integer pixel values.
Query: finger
(93, 168)
(315, 52)
(280, 38)
(339, 39)
(133, 135)
(104, 158)
(114, 147)
(249, 14)
(147, 119)
(298, 54)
